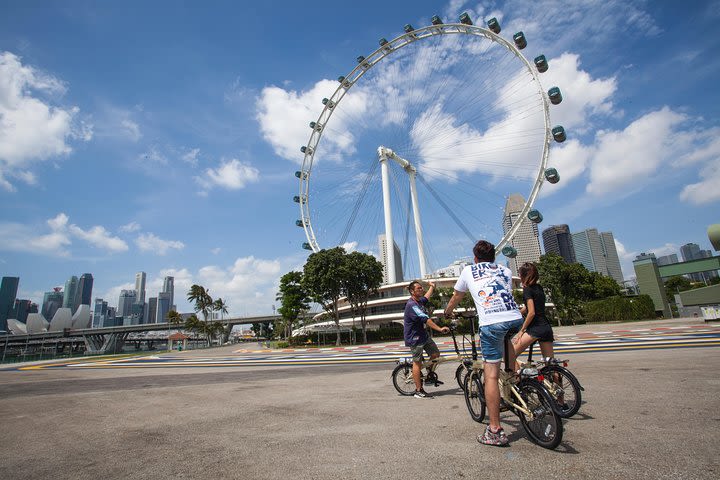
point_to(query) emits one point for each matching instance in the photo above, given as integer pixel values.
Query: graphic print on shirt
(494, 288)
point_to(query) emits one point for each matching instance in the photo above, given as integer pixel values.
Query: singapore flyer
(423, 140)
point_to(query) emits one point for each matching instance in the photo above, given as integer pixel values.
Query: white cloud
(216, 250)
(349, 246)
(583, 96)
(148, 242)
(130, 129)
(32, 129)
(130, 227)
(191, 156)
(100, 238)
(284, 117)
(23, 238)
(623, 157)
(231, 175)
(707, 153)
(570, 159)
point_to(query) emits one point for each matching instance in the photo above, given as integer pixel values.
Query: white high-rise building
(527, 238)
(140, 287)
(382, 245)
(597, 252)
(612, 261)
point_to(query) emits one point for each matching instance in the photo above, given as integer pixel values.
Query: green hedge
(619, 309)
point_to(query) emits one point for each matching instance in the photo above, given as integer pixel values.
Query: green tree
(564, 285)
(193, 324)
(674, 285)
(294, 300)
(201, 299)
(220, 305)
(174, 318)
(322, 279)
(361, 276)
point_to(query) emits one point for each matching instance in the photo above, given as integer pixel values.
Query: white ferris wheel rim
(374, 58)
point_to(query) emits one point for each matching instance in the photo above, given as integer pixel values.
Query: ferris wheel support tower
(385, 154)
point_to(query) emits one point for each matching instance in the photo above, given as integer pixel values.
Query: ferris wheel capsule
(509, 251)
(299, 223)
(535, 216)
(541, 63)
(558, 134)
(555, 96)
(520, 41)
(552, 175)
(436, 20)
(494, 25)
(465, 18)
(306, 246)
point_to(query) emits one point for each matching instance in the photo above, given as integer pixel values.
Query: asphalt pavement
(646, 414)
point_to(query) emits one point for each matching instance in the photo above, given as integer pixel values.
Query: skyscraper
(70, 291)
(51, 302)
(163, 307)
(526, 240)
(22, 308)
(382, 246)
(612, 261)
(125, 302)
(151, 316)
(83, 294)
(557, 239)
(667, 259)
(8, 293)
(140, 287)
(101, 313)
(169, 287)
(597, 252)
(690, 251)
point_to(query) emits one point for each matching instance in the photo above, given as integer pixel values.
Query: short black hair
(484, 251)
(412, 285)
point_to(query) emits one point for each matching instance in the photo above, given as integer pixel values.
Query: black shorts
(541, 330)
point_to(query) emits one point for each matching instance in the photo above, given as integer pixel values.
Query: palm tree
(220, 305)
(202, 300)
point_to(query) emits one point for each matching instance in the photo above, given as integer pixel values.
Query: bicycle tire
(475, 396)
(460, 374)
(569, 404)
(546, 428)
(403, 380)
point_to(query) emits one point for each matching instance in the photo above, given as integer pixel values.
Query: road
(648, 413)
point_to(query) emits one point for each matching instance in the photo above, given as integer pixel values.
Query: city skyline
(171, 163)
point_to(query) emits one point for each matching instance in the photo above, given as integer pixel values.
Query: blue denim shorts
(492, 339)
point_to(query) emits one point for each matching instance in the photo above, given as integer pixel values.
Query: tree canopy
(322, 279)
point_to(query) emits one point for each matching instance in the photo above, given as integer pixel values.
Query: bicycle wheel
(403, 380)
(475, 396)
(460, 374)
(564, 388)
(545, 428)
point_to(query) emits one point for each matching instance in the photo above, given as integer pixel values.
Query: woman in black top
(536, 325)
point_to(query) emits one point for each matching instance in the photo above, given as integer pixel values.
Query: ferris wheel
(438, 125)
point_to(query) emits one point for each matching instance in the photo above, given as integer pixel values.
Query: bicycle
(524, 395)
(402, 374)
(559, 381)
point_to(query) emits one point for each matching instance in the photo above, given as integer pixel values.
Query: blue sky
(163, 136)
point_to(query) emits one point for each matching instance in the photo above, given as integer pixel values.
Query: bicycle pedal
(504, 406)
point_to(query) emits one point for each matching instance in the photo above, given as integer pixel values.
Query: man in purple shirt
(416, 337)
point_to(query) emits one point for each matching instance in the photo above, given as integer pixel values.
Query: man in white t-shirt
(490, 285)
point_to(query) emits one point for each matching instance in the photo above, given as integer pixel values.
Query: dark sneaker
(422, 394)
(435, 383)
(499, 439)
